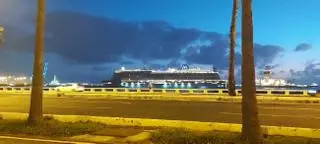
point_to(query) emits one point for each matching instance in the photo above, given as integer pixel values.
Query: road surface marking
(285, 108)
(101, 107)
(272, 115)
(42, 140)
(122, 102)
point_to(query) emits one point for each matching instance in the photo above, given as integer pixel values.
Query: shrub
(50, 127)
(182, 136)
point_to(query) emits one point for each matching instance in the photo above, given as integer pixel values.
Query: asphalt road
(296, 115)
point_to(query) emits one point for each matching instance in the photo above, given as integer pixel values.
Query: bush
(182, 136)
(50, 127)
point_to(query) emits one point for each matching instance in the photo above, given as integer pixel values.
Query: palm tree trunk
(250, 122)
(36, 113)
(1, 35)
(231, 80)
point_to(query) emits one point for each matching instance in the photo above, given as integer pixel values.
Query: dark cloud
(303, 47)
(88, 39)
(311, 73)
(126, 62)
(214, 54)
(274, 66)
(85, 39)
(265, 54)
(91, 42)
(100, 68)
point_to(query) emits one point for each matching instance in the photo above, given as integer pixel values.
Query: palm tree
(250, 122)
(36, 113)
(1, 35)
(231, 81)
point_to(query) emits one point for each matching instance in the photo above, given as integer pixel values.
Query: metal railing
(159, 91)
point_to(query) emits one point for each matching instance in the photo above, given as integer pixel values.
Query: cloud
(303, 47)
(102, 40)
(311, 73)
(88, 44)
(214, 54)
(265, 54)
(100, 68)
(125, 62)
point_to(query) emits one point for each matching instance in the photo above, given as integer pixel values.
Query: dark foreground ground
(296, 115)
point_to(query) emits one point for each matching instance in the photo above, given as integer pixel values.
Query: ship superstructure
(267, 79)
(14, 80)
(183, 77)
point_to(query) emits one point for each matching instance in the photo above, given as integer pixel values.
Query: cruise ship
(13, 80)
(183, 77)
(268, 81)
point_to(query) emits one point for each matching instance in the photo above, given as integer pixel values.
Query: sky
(87, 40)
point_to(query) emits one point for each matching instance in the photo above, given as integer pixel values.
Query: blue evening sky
(284, 23)
(279, 22)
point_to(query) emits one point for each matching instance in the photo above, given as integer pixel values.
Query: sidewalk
(125, 137)
(24, 140)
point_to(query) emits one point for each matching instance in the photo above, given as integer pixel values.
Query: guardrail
(163, 92)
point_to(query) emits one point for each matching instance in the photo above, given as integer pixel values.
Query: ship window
(145, 90)
(277, 92)
(108, 90)
(213, 91)
(262, 92)
(198, 91)
(239, 91)
(17, 88)
(46, 89)
(171, 91)
(9, 89)
(97, 90)
(157, 90)
(296, 92)
(87, 89)
(132, 90)
(1, 88)
(225, 91)
(121, 90)
(27, 89)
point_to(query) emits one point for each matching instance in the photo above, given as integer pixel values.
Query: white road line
(272, 115)
(286, 108)
(42, 140)
(128, 103)
(103, 108)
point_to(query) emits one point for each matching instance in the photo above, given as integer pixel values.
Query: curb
(202, 98)
(43, 140)
(143, 136)
(191, 125)
(93, 138)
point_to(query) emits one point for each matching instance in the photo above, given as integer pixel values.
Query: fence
(164, 92)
